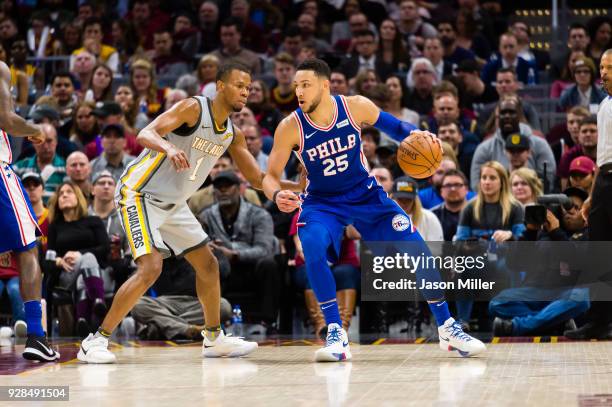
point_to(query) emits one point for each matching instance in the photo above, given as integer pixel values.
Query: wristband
(274, 195)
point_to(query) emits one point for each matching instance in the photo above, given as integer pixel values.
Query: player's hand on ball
(426, 133)
(39, 138)
(287, 201)
(178, 158)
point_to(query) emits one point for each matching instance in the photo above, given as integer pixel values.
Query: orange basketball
(419, 156)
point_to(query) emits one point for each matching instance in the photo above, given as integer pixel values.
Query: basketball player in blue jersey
(324, 132)
(19, 225)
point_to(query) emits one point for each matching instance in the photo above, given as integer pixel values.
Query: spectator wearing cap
(113, 158)
(78, 170)
(387, 157)
(92, 42)
(103, 206)
(205, 197)
(405, 193)
(508, 58)
(584, 93)
(111, 113)
(582, 173)
(46, 162)
(477, 92)
(586, 145)
(242, 238)
(518, 151)
(577, 40)
(508, 115)
(34, 186)
(454, 191)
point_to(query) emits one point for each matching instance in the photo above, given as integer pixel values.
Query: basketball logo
(400, 223)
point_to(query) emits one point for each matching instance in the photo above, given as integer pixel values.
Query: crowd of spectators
(95, 74)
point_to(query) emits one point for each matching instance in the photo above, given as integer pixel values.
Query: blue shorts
(368, 207)
(19, 225)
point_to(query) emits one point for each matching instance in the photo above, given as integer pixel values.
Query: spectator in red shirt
(587, 146)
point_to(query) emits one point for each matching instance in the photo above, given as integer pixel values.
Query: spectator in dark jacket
(508, 57)
(242, 238)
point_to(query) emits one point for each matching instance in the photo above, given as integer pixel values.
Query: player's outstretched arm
(285, 139)
(365, 111)
(244, 160)
(152, 136)
(247, 164)
(10, 121)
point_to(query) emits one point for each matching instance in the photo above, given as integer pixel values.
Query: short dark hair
(453, 123)
(233, 21)
(455, 173)
(589, 120)
(508, 69)
(578, 26)
(448, 21)
(364, 33)
(371, 132)
(62, 74)
(92, 21)
(318, 66)
(292, 30)
(226, 69)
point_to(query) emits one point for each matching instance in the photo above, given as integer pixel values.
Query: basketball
(419, 156)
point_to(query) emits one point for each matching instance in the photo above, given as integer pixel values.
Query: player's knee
(88, 261)
(149, 270)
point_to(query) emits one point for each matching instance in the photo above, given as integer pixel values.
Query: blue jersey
(332, 155)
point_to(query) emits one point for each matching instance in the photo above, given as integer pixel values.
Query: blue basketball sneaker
(452, 338)
(336, 348)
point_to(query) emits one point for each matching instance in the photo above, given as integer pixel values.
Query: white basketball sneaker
(226, 345)
(336, 348)
(95, 350)
(453, 338)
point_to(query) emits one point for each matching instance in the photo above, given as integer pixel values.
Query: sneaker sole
(35, 354)
(210, 353)
(83, 358)
(333, 357)
(445, 346)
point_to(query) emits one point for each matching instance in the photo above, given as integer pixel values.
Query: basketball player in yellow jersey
(181, 147)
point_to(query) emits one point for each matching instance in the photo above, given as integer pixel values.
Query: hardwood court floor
(555, 374)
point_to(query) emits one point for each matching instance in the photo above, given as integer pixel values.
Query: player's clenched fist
(178, 158)
(38, 138)
(287, 201)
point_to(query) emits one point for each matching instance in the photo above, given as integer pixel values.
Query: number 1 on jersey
(195, 170)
